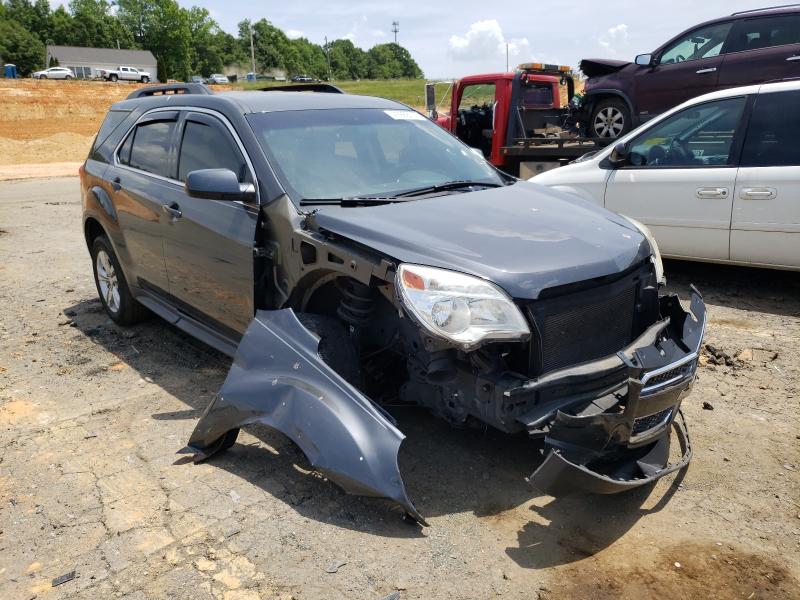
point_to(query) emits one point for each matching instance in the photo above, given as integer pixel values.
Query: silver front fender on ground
(278, 379)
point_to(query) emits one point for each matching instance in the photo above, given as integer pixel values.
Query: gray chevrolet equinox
(352, 255)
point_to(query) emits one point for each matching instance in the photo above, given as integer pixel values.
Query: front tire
(112, 287)
(113, 78)
(610, 119)
(145, 80)
(68, 77)
(42, 76)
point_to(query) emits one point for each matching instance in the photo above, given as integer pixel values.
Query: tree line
(185, 41)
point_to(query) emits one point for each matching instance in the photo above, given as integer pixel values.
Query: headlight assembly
(656, 256)
(461, 308)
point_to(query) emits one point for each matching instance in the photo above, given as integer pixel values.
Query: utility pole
(328, 56)
(395, 29)
(252, 52)
(506, 57)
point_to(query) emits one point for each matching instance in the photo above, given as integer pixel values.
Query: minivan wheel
(112, 288)
(610, 119)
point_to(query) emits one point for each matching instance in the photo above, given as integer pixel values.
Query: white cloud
(614, 37)
(293, 34)
(485, 39)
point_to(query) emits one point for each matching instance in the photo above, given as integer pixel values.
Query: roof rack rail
(170, 88)
(753, 10)
(324, 88)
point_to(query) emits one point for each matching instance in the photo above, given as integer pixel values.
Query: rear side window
(753, 34)
(110, 123)
(773, 137)
(149, 148)
(537, 95)
(209, 147)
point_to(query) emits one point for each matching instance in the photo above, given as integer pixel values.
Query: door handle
(173, 210)
(793, 58)
(115, 184)
(712, 192)
(759, 193)
(709, 70)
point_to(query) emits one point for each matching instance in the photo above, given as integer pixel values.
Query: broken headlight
(461, 308)
(656, 255)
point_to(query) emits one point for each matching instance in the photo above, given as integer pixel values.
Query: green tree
(94, 26)
(20, 47)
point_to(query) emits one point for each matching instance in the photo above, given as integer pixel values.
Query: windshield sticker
(405, 115)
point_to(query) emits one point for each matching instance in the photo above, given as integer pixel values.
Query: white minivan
(715, 179)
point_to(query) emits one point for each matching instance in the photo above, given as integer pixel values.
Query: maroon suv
(744, 48)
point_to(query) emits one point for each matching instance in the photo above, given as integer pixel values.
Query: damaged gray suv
(351, 254)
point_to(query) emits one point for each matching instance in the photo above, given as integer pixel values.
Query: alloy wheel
(609, 122)
(107, 281)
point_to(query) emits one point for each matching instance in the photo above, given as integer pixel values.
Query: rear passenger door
(142, 182)
(209, 243)
(765, 226)
(762, 49)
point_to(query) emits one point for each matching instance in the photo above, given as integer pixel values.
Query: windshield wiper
(351, 200)
(444, 187)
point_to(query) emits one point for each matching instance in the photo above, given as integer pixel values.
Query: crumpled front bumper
(620, 439)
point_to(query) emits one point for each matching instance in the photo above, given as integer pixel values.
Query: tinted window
(701, 135)
(110, 123)
(705, 42)
(207, 147)
(537, 95)
(150, 149)
(773, 137)
(753, 34)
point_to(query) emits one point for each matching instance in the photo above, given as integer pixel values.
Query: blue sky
(451, 39)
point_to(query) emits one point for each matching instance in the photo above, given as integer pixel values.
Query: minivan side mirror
(644, 60)
(218, 184)
(619, 155)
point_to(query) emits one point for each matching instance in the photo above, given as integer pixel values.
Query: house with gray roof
(87, 62)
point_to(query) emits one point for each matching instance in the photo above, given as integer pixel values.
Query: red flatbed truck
(520, 120)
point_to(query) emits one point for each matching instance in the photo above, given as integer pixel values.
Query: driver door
(687, 67)
(679, 179)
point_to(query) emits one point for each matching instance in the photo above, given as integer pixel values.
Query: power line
(395, 29)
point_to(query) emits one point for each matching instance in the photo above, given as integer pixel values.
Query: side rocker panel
(278, 379)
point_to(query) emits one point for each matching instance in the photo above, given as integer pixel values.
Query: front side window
(705, 42)
(754, 34)
(209, 147)
(343, 153)
(700, 135)
(147, 148)
(772, 140)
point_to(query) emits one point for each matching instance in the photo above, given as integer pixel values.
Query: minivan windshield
(336, 154)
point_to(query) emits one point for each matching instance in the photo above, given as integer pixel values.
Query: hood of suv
(595, 67)
(523, 237)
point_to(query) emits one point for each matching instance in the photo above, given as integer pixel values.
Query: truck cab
(522, 122)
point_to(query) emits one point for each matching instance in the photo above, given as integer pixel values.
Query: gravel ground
(92, 417)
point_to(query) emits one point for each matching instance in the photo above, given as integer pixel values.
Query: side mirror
(619, 155)
(218, 184)
(644, 60)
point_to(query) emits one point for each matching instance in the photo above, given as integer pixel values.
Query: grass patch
(407, 91)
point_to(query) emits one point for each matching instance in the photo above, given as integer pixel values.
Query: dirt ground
(53, 121)
(92, 418)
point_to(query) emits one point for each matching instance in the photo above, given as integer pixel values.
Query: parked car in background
(747, 47)
(54, 73)
(715, 179)
(354, 256)
(303, 79)
(125, 74)
(197, 79)
(217, 78)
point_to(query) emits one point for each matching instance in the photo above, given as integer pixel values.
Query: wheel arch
(596, 96)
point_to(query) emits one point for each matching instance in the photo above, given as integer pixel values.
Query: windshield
(346, 153)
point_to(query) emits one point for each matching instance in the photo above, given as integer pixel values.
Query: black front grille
(591, 322)
(647, 423)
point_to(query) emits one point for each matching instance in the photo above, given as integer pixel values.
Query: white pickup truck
(125, 74)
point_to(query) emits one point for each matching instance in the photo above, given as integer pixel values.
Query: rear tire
(112, 288)
(610, 119)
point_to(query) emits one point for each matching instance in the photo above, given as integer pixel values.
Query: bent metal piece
(278, 379)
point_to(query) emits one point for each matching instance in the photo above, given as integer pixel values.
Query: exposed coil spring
(356, 304)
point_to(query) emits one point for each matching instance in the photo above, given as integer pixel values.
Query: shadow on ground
(446, 471)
